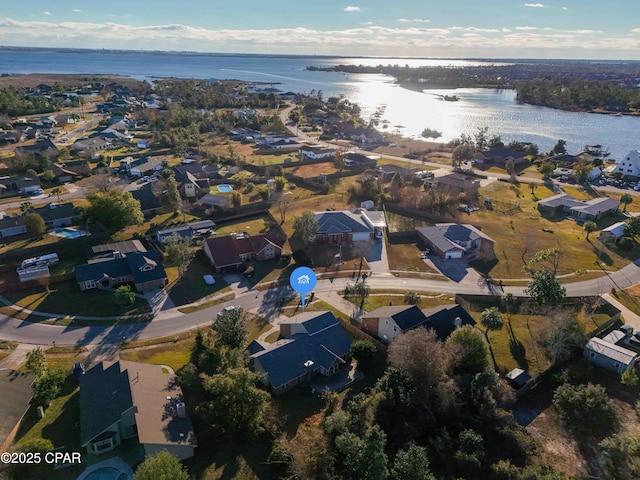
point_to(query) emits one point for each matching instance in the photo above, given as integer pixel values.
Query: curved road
(265, 304)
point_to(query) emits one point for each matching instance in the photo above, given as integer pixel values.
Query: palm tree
(56, 191)
(25, 206)
(491, 319)
(590, 227)
(412, 298)
(626, 199)
(509, 301)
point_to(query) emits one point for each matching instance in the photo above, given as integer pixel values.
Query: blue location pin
(303, 280)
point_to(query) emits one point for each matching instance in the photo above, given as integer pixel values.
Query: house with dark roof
(143, 269)
(55, 214)
(454, 183)
(106, 250)
(92, 144)
(16, 396)
(347, 226)
(313, 344)
(67, 172)
(453, 240)
(228, 252)
(11, 226)
(386, 323)
(357, 160)
(500, 156)
(185, 231)
(149, 203)
(578, 210)
(42, 148)
(129, 400)
(26, 184)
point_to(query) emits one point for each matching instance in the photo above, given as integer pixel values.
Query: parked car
(228, 309)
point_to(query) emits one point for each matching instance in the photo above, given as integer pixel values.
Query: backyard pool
(225, 188)
(111, 469)
(67, 232)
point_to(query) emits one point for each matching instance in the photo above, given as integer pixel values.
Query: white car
(209, 280)
(228, 309)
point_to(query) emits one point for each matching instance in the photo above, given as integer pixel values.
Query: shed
(517, 378)
(609, 356)
(612, 232)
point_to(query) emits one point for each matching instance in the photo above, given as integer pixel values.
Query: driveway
(455, 269)
(375, 252)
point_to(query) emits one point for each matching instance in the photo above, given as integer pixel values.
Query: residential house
(454, 184)
(347, 226)
(386, 323)
(230, 251)
(606, 353)
(143, 166)
(17, 391)
(11, 226)
(115, 136)
(41, 148)
(144, 270)
(193, 178)
(26, 184)
(453, 240)
(219, 201)
(630, 165)
(56, 214)
(579, 210)
(500, 156)
(67, 172)
(612, 232)
(93, 144)
(313, 344)
(12, 136)
(354, 160)
(106, 250)
(245, 134)
(149, 203)
(128, 400)
(365, 136)
(185, 231)
(280, 141)
(314, 153)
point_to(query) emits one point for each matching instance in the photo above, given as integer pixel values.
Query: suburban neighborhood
(147, 239)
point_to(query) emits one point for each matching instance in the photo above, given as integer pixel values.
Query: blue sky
(422, 28)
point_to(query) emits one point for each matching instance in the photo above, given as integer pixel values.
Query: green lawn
(377, 300)
(65, 298)
(630, 298)
(404, 255)
(191, 287)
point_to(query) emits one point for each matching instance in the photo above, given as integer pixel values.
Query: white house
(612, 232)
(609, 355)
(630, 165)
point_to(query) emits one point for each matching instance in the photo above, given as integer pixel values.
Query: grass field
(630, 298)
(406, 257)
(427, 300)
(191, 287)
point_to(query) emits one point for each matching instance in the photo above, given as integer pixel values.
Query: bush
(586, 410)
(363, 352)
(301, 257)
(625, 243)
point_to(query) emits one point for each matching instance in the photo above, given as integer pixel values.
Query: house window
(617, 365)
(386, 322)
(395, 329)
(592, 355)
(90, 284)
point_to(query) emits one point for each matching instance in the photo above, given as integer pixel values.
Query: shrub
(586, 410)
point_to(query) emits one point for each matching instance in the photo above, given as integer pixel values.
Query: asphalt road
(265, 302)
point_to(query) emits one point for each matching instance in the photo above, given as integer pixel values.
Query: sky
(572, 29)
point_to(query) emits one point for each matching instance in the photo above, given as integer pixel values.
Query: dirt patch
(34, 79)
(408, 146)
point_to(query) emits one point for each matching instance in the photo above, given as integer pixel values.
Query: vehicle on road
(225, 310)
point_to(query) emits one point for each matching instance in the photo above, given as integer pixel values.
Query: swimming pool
(67, 232)
(225, 188)
(107, 473)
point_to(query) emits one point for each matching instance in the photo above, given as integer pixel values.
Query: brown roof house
(231, 251)
(453, 240)
(128, 400)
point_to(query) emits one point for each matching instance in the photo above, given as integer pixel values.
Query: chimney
(457, 322)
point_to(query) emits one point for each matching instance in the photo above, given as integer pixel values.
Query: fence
(362, 335)
(414, 212)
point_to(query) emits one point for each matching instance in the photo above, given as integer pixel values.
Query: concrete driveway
(375, 253)
(455, 269)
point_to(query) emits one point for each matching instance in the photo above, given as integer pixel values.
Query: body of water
(403, 111)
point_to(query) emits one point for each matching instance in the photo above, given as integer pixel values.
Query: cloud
(352, 9)
(565, 8)
(534, 5)
(77, 10)
(47, 12)
(369, 40)
(414, 20)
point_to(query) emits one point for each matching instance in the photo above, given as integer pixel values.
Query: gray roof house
(314, 343)
(185, 231)
(128, 400)
(143, 269)
(149, 203)
(55, 214)
(453, 240)
(10, 226)
(611, 356)
(340, 226)
(579, 210)
(386, 323)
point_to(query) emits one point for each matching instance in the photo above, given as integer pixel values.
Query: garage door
(453, 254)
(361, 237)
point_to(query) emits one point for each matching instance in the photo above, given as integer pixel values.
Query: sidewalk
(17, 357)
(339, 303)
(628, 316)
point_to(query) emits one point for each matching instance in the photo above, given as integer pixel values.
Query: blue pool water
(224, 188)
(106, 473)
(67, 232)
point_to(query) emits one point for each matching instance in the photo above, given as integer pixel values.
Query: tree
(363, 458)
(179, 253)
(264, 192)
(630, 377)
(48, 385)
(36, 362)
(305, 227)
(560, 147)
(473, 358)
(280, 182)
(237, 406)
(236, 198)
(363, 352)
(590, 227)
(231, 327)
(310, 453)
(586, 410)
(626, 199)
(411, 464)
(114, 209)
(161, 466)
(546, 169)
(26, 206)
(462, 153)
(509, 301)
(56, 191)
(125, 296)
(491, 319)
(102, 182)
(412, 298)
(564, 338)
(547, 259)
(581, 171)
(34, 224)
(173, 195)
(632, 228)
(285, 200)
(544, 289)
